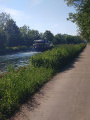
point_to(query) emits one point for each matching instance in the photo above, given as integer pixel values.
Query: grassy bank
(18, 85)
(58, 57)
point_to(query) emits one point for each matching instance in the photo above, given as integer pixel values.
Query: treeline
(13, 36)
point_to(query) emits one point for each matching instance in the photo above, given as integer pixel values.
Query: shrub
(16, 87)
(58, 57)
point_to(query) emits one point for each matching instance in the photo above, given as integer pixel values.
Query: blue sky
(40, 15)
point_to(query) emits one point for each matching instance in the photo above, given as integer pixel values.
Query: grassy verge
(58, 57)
(17, 86)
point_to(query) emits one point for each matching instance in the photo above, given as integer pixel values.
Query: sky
(41, 15)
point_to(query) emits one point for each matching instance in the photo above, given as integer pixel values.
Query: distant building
(41, 45)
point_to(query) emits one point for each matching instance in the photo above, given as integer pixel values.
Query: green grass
(16, 86)
(58, 57)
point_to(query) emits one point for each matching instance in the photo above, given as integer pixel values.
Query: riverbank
(11, 50)
(17, 86)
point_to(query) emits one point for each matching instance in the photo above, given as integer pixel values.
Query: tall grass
(57, 58)
(16, 86)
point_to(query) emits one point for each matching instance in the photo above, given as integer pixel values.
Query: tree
(41, 35)
(33, 35)
(81, 17)
(59, 39)
(3, 39)
(76, 3)
(4, 17)
(24, 30)
(66, 39)
(14, 34)
(48, 36)
(24, 34)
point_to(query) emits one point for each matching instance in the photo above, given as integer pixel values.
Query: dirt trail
(65, 97)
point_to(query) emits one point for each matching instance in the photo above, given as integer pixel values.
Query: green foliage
(13, 32)
(33, 35)
(58, 57)
(48, 35)
(76, 3)
(81, 17)
(59, 39)
(28, 35)
(24, 34)
(17, 86)
(3, 37)
(66, 39)
(4, 17)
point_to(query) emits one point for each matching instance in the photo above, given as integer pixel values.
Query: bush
(58, 57)
(17, 86)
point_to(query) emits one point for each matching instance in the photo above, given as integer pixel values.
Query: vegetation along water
(16, 86)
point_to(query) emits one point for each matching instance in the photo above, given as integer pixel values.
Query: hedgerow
(58, 57)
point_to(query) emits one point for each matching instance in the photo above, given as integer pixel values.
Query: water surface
(18, 60)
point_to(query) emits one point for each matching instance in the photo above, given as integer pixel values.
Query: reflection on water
(18, 60)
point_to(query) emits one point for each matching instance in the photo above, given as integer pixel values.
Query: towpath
(65, 97)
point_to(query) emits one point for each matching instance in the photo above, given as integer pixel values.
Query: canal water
(18, 60)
